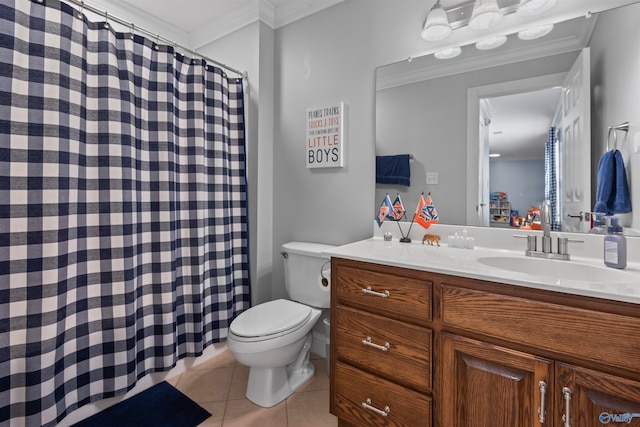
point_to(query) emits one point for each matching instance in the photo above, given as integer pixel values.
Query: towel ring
(623, 127)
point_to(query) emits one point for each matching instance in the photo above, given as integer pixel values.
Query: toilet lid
(270, 318)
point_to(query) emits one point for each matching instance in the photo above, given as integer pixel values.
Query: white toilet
(274, 338)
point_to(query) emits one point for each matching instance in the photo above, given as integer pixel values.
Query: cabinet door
(484, 385)
(594, 399)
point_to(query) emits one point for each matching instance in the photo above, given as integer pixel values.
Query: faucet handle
(563, 244)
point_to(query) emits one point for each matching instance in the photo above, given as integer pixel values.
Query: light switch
(432, 178)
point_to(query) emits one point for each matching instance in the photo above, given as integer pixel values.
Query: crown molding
(267, 13)
(244, 14)
(292, 11)
(239, 18)
(493, 59)
(263, 10)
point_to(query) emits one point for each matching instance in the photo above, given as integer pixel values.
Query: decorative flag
(398, 210)
(385, 209)
(426, 213)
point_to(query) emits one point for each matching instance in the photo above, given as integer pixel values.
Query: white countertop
(624, 285)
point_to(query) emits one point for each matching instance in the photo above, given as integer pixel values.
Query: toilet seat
(270, 320)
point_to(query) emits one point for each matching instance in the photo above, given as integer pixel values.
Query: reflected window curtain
(123, 209)
(551, 189)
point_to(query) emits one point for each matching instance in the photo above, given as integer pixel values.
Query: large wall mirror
(449, 115)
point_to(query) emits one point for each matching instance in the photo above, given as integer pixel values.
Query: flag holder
(407, 239)
(404, 239)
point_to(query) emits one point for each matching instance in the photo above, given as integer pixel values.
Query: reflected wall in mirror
(422, 109)
(513, 125)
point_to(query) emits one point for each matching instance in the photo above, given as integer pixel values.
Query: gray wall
(321, 60)
(615, 98)
(331, 56)
(522, 180)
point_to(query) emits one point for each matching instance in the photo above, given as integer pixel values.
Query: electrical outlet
(432, 178)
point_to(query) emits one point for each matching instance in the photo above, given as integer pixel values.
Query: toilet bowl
(274, 338)
(278, 354)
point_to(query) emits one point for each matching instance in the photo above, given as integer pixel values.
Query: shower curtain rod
(157, 37)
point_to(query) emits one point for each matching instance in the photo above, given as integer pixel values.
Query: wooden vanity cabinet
(492, 386)
(413, 348)
(535, 370)
(381, 346)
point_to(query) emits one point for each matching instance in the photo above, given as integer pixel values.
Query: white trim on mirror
(474, 95)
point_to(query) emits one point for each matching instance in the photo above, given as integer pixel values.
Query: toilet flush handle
(324, 281)
(284, 255)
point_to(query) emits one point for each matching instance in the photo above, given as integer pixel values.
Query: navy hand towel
(612, 193)
(621, 200)
(606, 173)
(393, 170)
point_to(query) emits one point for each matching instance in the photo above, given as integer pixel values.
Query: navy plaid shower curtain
(123, 217)
(551, 190)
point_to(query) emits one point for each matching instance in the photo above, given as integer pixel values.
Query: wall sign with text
(325, 136)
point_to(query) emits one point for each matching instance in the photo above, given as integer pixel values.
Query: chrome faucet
(547, 250)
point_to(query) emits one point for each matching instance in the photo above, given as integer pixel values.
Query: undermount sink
(561, 270)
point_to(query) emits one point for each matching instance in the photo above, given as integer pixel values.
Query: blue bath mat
(158, 406)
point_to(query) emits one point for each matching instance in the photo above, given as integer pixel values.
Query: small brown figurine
(431, 238)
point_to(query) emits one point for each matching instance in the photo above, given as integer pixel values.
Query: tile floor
(219, 386)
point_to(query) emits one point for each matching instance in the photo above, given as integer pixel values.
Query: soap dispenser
(598, 224)
(615, 245)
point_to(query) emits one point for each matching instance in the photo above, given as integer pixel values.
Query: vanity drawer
(354, 387)
(605, 338)
(391, 295)
(406, 360)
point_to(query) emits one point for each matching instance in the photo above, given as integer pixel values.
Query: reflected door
(483, 166)
(575, 143)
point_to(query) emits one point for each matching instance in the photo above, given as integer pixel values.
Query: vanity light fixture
(491, 43)
(436, 27)
(535, 33)
(534, 7)
(448, 53)
(482, 15)
(494, 155)
(486, 14)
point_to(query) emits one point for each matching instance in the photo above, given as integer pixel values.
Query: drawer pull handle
(368, 290)
(368, 342)
(383, 412)
(542, 410)
(566, 392)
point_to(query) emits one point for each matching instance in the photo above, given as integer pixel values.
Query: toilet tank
(304, 268)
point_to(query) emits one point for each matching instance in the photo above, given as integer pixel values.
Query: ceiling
(520, 123)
